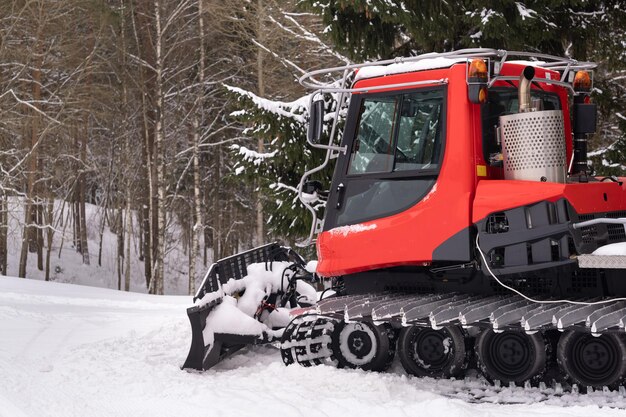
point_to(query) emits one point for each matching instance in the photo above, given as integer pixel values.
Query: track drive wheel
(434, 353)
(593, 361)
(361, 344)
(511, 356)
(307, 341)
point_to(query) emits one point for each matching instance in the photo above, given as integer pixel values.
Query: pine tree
(276, 167)
(371, 29)
(282, 126)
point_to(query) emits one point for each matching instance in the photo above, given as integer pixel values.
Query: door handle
(341, 190)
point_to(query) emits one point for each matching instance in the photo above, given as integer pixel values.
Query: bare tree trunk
(24, 250)
(143, 43)
(75, 218)
(157, 287)
(123, 257)
(4, 226)
(65, 223)
(260, 233)
(196, 216)
(119, 258)
(128, 228)
(49, 233)
(39, 232)
(84, 249)
(217, 206)
(78, 206)
(107, 193)
(101, 231)
(196, 228)
(29, 239)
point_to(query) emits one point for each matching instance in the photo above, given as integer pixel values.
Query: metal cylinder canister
(533, 146)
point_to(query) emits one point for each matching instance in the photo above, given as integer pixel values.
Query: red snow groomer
(462, 229)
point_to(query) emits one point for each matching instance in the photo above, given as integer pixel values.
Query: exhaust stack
(523, 91)
(533, 140)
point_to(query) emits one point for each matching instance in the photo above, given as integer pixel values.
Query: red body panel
(597, 197)
(411, 236)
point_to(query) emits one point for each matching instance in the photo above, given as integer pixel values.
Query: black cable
(323, 292)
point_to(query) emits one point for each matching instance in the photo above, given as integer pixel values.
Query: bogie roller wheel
(511, 356)
(361, 345)
(593, 361)
(434, 353)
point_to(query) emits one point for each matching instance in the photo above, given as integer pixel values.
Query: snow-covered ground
(70, 350)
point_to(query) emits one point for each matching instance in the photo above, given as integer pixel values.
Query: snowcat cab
(462, 227)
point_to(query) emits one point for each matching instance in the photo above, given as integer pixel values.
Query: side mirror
(316, 121)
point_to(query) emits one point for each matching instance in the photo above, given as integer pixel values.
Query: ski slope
(70, 350)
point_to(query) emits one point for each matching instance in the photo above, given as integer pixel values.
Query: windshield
(400, 132)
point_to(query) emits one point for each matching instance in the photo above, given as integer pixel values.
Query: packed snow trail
(69, 350)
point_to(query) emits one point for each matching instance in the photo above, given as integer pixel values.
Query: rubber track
(499, 312)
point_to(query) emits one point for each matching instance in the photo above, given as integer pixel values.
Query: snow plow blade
(204, 354)
(203, 357)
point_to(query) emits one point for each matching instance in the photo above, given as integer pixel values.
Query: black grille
(584, 279)
(589, 238)
(236, 266)
(589, 233)
(616, 214)
(411, 288)
(616, 232)
(534, 285)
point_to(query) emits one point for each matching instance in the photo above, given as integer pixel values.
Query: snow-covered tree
(276, 155)
(278, 170)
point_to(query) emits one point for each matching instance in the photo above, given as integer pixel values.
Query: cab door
(395, 145)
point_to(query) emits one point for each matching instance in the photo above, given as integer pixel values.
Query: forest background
(181, 122)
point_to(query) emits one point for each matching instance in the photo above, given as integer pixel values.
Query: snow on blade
(311, 266)
(228, 318)
(242, 298)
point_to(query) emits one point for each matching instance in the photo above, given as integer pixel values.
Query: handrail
(552, 62)
(537, 80)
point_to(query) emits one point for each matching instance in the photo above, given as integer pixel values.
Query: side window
(419, 132)
(398, 133)
(372, 150)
